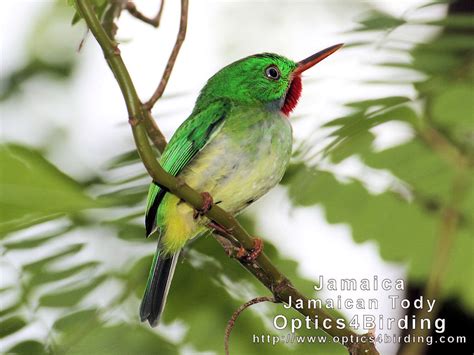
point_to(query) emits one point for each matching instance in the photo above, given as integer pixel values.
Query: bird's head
(268, 79)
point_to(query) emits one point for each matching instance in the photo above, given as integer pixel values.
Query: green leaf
(76, 321)
(76, 18)
(35, 241)
(50, 276)
(383, 101)
(354, 136)
(37, 266)
(357, 143)
(34, 190)
(69, 298)
(28, 347)
(5, 311)
(124, 159)
(11, 325)
(378, 20)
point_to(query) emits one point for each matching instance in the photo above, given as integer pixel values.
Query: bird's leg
(252, 254)
(207, 203)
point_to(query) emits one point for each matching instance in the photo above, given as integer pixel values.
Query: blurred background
(380, 181)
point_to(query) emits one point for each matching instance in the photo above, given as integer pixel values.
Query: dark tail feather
(158, 284)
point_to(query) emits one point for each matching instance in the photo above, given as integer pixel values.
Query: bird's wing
(189, 139)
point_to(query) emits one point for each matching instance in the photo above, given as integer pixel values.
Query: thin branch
(154, 21)
(183, 24)
(230, 324)
(154, 133)
(262, 267)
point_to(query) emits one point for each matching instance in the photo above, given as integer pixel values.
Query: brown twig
(153, 132)
(183, 24)
(236, 314)
(154, 21)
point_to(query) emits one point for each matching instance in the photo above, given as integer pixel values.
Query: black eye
(272, 72)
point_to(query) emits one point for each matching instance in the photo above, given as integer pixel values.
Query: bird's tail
(157, 287)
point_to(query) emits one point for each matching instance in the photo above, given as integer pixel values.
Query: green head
(262, 79)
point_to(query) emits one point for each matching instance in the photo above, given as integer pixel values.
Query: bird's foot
(231, 249)
(207, 203)
(252, 254)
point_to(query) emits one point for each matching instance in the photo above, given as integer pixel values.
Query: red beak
(316, 58)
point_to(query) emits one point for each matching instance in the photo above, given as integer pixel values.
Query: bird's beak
(315, 58)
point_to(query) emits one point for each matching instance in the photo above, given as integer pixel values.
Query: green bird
(235, 146)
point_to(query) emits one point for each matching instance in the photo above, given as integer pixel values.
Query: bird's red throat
(292, 96)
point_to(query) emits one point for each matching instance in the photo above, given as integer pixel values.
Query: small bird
(235, 146)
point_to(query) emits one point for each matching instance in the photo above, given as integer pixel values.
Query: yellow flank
(179, 224)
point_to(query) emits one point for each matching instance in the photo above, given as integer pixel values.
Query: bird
(233, 148)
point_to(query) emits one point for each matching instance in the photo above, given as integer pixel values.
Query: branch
(183, 23)
(153, 132)
(154, 21)
(262, 267)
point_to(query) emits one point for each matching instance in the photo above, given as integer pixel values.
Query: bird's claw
(252, 254)
(207, 203)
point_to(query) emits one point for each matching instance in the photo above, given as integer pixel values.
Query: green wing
(189, 139)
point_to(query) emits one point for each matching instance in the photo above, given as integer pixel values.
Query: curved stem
(231, 323)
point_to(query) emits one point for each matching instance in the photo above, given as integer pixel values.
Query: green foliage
(405, 231)
(406, 220)
(27, 348)
(11, 325)
(34, 190)
(84, 332)
(377, 20)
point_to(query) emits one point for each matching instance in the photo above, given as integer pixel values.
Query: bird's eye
(272, 72)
